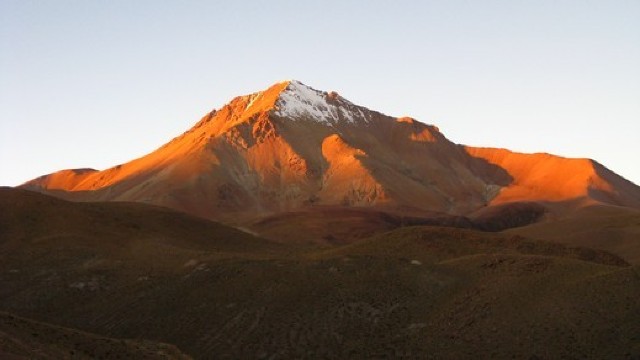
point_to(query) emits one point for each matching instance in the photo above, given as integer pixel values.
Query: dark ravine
(353, 224)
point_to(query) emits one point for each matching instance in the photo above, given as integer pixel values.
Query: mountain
(293, 147)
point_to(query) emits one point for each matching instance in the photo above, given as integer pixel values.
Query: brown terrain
(292, 223)
(155, 276)
(21, 338)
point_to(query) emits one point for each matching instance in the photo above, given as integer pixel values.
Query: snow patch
(252, 98)
(299, 100)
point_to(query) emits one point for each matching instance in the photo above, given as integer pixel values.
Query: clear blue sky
(97, 83)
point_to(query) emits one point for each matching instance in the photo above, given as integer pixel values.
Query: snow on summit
(298, 101)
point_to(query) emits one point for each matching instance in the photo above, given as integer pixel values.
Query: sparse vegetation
(213, 291)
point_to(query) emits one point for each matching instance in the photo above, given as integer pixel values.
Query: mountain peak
(299, 101)
(293, 100)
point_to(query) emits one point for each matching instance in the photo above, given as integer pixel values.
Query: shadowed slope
(21, 338)
(340, 225)
(411, 292)
(614, 229)
(112, 228)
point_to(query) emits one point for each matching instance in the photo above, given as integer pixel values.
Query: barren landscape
(292, 223)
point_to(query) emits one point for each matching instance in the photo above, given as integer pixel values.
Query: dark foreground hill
(21, 338)
(132, 271)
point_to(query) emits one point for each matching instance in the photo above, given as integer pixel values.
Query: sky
(99, 83)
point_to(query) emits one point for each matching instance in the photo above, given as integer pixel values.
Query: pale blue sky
(97, 83)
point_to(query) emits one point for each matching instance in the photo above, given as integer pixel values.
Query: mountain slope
(609, 228)
(29, 219)
(291, 147)
(22, 338)
(545, 177)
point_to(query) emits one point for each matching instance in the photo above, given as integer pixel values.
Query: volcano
(292, 147)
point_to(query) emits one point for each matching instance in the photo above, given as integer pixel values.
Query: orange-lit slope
(187, 173)
(239, 110)
(346, 180)
(545, 177)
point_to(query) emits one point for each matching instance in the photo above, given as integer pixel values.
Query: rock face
(291, 146)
